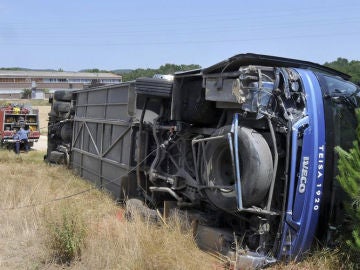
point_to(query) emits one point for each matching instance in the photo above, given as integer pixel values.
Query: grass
(321, 259)
(66, 233)
(32, 102)
(89, 231)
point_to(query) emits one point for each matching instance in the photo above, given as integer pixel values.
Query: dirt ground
(41, 145)
(43, 117)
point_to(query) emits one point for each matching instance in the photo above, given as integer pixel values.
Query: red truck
(12, 117)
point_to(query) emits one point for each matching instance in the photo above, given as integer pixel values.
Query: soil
(41, 144)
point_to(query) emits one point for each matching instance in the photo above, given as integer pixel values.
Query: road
(41, 145)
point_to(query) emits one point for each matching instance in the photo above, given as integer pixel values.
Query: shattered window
(336, 86)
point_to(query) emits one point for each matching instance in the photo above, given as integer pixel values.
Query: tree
(164, 69)
(349, 179)
(94, 70)
(26, 93)
(349, 67)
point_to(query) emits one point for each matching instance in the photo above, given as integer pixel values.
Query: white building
(43, 83)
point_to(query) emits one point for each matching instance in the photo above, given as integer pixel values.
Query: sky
(115, 34)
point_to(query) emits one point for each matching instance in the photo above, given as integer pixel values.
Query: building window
(74, 80)
(20, 80)
(49, 80)
(6, 80)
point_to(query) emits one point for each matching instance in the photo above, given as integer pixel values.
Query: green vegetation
(66, 235)
(121, 71)
(349, 67)
(26, 93)
(32, 102)
(164, 69)
(94, 70)
(24, 69)
(349, 178)
(13, 68)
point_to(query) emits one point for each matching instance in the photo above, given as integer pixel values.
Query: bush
(66, 235)
(26, 93)
(349, 179)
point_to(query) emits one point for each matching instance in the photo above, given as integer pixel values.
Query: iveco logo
(304, 173)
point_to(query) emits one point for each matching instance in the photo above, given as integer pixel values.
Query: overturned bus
(244, 148)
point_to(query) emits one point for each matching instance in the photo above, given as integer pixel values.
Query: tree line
(341, 64)
(349, 67)
(132, 74)
(164, 69)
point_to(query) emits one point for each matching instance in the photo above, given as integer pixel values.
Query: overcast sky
(114, 34)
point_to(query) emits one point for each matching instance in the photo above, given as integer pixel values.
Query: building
(44, 83)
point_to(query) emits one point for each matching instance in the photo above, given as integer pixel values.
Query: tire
(66, 133)
(135, 207)
(52, 113)
(63, 95)
(52, 120)
(256, 169)
(61, 107)
(51, 146)
(57, 157)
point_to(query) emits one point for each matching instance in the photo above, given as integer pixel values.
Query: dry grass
(323, 259)
(142, 245)
(32, 102)
(110, 242)
(43, 118)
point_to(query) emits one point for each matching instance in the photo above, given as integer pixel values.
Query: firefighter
(21, 137)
